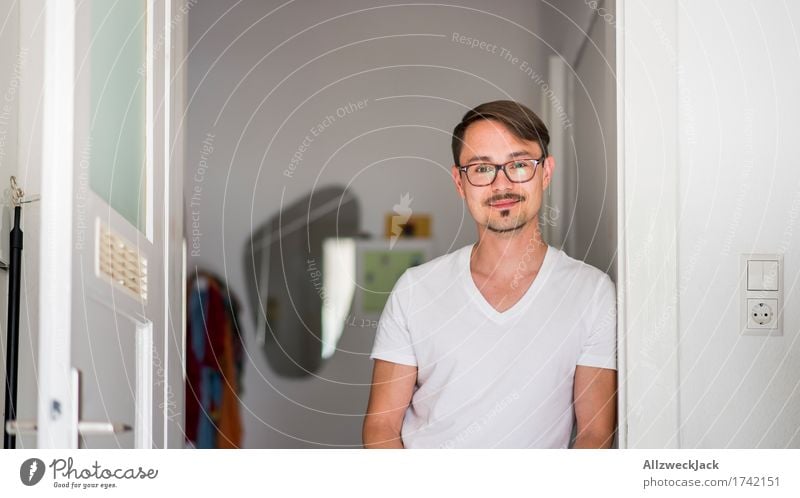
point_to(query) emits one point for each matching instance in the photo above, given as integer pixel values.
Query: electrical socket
(761, 294)
(762, 313)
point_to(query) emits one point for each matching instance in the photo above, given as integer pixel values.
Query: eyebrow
(518, 153)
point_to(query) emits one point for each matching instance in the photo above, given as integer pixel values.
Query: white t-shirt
(490, 379)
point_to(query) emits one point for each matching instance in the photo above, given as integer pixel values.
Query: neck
(504, 253)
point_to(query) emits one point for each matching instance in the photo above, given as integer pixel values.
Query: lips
(504, 203)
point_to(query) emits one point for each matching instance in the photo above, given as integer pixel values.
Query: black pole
(12, 331)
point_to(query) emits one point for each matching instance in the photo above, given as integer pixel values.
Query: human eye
(484, 168)
(520, 164)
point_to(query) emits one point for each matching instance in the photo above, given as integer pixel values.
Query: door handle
(85, 428)
(77, 427)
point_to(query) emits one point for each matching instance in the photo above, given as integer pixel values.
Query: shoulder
(445, 266)
(593, 290)
(583, 277)
(431, 279)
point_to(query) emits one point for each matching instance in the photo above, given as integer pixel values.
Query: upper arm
(595, 394)
(393, 340)
(392, 388)
(599, 347)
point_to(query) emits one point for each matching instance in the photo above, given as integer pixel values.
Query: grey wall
(260, 78)
(593, 145)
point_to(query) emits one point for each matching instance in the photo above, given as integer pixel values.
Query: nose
(501, 182)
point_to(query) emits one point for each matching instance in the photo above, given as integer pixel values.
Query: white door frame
(647, 145)
(174, 109)
(55, 414)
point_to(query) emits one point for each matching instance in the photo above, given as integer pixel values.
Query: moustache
(497, 198)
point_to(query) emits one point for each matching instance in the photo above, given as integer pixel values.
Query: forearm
(596, 441)
(380, 436)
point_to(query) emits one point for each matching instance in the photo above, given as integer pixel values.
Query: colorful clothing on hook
(214, 364)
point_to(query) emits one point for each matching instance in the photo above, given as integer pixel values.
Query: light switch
(755, 275)
(769, 279)
(761, 296)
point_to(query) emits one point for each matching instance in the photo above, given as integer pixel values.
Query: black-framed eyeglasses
(517, 171)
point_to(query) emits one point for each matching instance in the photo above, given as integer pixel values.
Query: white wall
(739, 185)
(394, 145)
(22, 148)
(710, 172)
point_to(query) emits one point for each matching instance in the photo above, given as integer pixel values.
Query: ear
(547, 170)
(456, 174)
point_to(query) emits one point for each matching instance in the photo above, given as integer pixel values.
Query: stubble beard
(504, 228)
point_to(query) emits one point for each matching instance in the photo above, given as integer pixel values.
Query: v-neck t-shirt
(487, 378)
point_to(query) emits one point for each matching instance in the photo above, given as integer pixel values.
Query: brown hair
(521, 121)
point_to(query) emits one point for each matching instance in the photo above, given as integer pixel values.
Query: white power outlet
(761, 294)
(762, 313)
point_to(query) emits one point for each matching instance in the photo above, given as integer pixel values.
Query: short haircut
(520, 120)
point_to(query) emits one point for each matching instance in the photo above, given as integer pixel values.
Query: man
(507, 342)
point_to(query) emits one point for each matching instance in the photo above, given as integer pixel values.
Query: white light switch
(762, 275)
(755, 275)
(762, 294)
(769, 280)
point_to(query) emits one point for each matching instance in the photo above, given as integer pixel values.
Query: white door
(105, 344)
